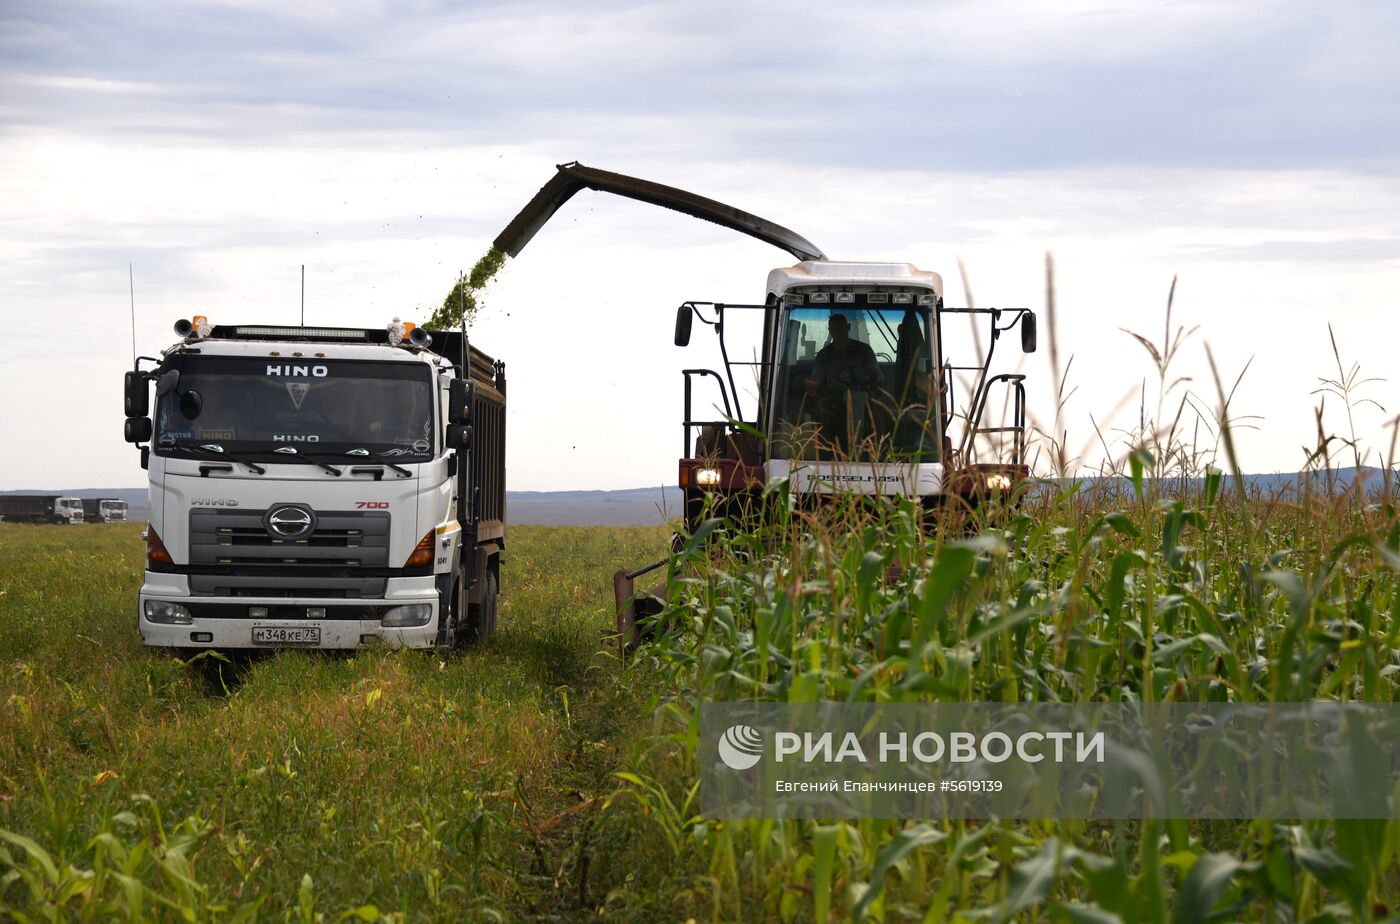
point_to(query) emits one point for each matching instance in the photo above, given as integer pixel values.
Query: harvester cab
(854, 395)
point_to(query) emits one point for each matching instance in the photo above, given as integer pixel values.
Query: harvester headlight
(927, 300)
(819, 298)
(167, 613)
(707, 476)
(999, 482)
(902, 298)
(845, 298)
(407, 616)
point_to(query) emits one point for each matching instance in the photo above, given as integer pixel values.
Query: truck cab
(320, 487)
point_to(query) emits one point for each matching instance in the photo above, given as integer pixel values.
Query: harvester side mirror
(137, 429)
(459, 436)
(459, 406)
(166, 382)
(1028, 332)
(135, 395)
(685, 316)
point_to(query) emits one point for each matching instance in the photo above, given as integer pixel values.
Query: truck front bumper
(231, 622)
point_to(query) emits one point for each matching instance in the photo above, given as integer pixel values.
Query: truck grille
(232, 554)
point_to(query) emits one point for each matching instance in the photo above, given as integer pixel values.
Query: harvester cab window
(855, 381)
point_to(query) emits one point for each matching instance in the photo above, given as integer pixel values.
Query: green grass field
(303, 784)
(538, 777)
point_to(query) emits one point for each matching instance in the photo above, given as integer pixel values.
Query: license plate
(287, 635)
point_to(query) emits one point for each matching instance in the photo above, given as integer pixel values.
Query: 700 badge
(371, 505)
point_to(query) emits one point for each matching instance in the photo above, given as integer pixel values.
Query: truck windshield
(71, 502)
(856, 382)
(252, 406)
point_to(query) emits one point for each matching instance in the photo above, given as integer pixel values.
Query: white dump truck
(41, 508)
(104, 510)
(319, 487)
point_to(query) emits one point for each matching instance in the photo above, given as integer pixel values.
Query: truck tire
(452, 603)
(481, 617)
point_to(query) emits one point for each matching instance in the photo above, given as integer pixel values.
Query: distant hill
(632, 507)
(646, 506)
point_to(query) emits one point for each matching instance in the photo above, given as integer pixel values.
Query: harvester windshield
(855, 381)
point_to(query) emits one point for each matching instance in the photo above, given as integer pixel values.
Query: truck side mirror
(459, 406)
(135, 395)
(459, 436)
(1028, 332)
(137, 429)
(685, 316)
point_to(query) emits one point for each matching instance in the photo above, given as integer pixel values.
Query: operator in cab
(843, 375)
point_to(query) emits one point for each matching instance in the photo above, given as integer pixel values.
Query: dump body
(41, 508)
(308, 488)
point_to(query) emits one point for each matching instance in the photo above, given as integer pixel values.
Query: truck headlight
(170, 614)
(999, 482)
(407, 616)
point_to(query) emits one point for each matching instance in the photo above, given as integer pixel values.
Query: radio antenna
(303, 295)
(131, 288)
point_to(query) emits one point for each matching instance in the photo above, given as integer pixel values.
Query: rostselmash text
(872, 478)
(931, 747)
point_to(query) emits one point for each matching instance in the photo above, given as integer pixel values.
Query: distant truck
(41, 508)
(104, 510)
(320, 487)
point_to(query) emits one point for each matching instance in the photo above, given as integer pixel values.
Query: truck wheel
(452, 601)
(481, 617)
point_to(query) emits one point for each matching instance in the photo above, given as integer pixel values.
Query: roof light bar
(300, 333)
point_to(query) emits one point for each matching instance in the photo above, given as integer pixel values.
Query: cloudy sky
(1251, 149)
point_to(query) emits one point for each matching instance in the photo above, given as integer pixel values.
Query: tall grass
(1069, 598)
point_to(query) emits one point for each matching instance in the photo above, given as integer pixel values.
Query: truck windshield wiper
(378, 457)
(214, 449)
(292, 451)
